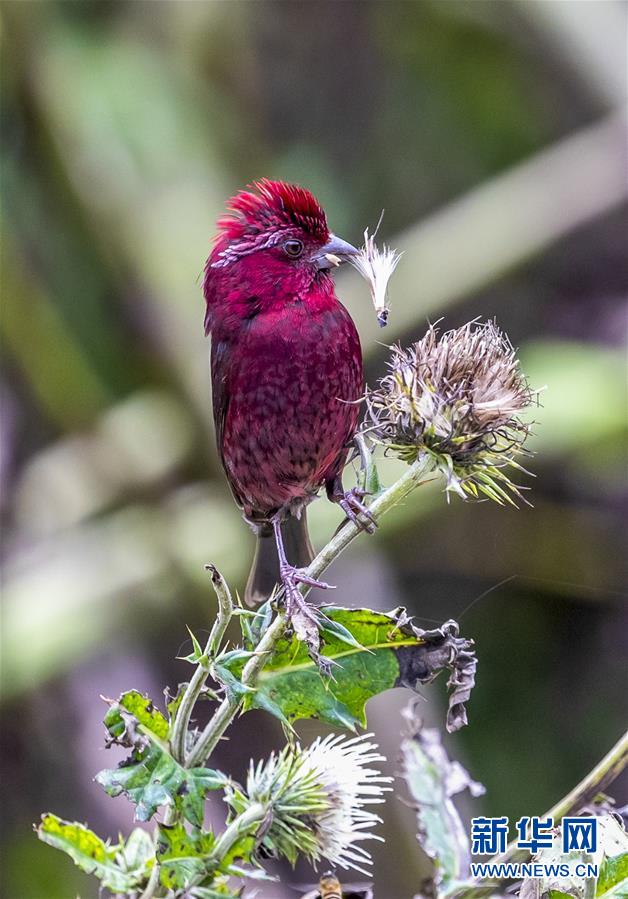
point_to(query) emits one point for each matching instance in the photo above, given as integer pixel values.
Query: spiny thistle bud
(456, 398)
(315, 798)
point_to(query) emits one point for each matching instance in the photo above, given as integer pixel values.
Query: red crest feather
(275, 205)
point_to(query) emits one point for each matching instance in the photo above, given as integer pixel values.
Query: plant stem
(153, 883)
(197, 682)
(413, 477)
(596, 781)
(225, 611)
(229, 707)
(238, 828)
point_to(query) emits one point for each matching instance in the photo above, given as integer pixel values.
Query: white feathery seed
(376, 266)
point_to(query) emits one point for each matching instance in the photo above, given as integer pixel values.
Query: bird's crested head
(272, 244)
(272, 209)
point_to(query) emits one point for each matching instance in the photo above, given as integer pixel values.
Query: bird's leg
(291, 577)
(350, 501)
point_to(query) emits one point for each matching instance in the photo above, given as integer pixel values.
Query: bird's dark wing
(220, 365)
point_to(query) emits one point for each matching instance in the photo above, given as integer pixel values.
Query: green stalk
(239, 827)
(229, 707)
(199, 678)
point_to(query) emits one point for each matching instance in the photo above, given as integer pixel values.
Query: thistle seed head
(457, 398)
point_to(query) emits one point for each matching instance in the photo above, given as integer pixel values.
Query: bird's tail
(264, 574)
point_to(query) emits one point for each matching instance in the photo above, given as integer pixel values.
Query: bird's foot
(355, 510)
(291, 577)
(301, 615)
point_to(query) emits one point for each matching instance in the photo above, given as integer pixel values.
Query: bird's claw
(355, 510)
(291, 577)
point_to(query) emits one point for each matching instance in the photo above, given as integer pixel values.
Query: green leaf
(336, 629)
(120, 868)
(151, 777)
(373, 652)
(182, 856)
(141, 708)
(198, 782)
(433, 780)
(138, 850)
(613, 878)
(254, 623)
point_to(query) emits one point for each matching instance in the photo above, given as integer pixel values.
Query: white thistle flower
(315, 799)
(376, 266)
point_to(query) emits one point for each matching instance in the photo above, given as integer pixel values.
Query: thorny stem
(197, 682)
(239, 827)
(413, 477)
(596, 781)
(229, 707)
(225, 611)
(153, 883)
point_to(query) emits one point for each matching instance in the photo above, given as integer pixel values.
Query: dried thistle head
(458, 398)
(376, 266)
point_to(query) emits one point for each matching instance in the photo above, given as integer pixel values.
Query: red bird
(287, 376)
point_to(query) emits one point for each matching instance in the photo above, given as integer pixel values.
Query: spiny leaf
(254, 623)
(120, 868)
(223, 671)
(138, 850)
(370, 479)
(151, 777)
(197, 656)
(142, 710)
(182, 856)
(199, 782)
(372, 652)
(432, 780)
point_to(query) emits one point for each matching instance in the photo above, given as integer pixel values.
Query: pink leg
(291, 577)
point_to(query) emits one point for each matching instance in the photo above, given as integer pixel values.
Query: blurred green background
(490, 134)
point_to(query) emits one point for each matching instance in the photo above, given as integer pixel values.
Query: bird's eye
(293, 248)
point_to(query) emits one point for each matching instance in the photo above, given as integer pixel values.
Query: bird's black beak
(335, 252)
